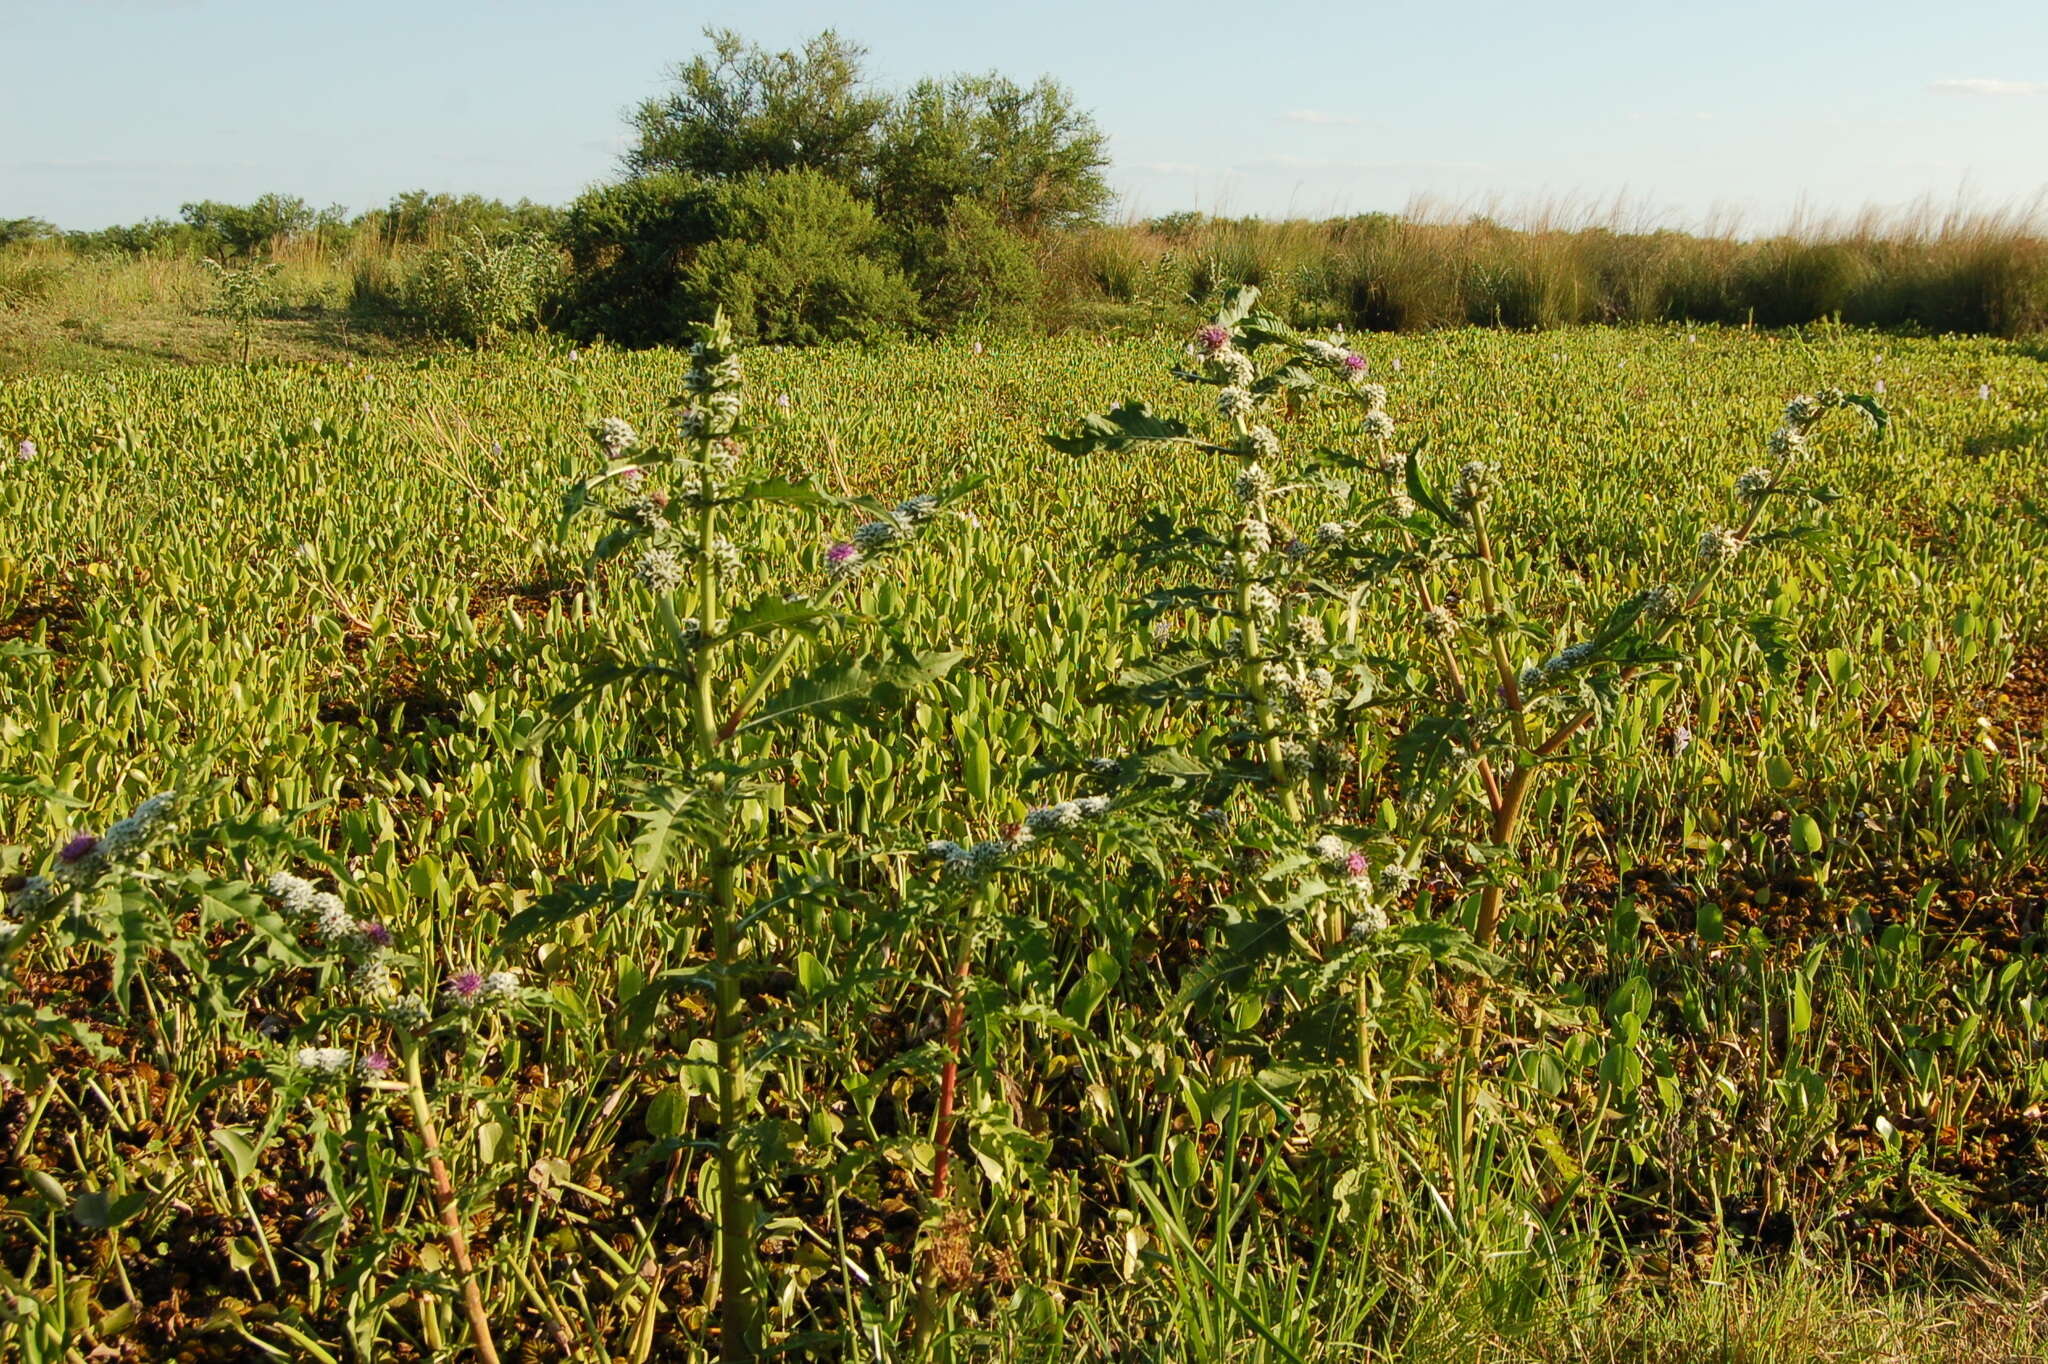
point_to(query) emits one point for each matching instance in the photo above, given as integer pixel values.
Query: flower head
(80, 847)
(1236, 401)
(294, 895)
(1718, 545)
(843, 559)
(25, 451)
(135, 833)
(322, 1060)
(659, 571)
(615, 435)
(1212, 338)
(463, 991)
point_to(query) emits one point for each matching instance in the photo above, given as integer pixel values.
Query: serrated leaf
(1123, 426)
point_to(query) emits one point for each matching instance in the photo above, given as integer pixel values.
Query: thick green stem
(738, 1327)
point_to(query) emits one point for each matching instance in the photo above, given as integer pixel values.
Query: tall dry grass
(1924, 267)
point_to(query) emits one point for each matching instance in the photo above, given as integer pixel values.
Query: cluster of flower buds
(84, 859)
(1222, 362)
(1253, 482)
(614, 436)
(1301, 691)
(1333, 354)
(1260, 443)
(705, 475)
(329, 1063)
(1476, 479)
(895, 529)
(711, 407)
(1236, 400)
(473, 990)
(659, 570)
(1556, 666)
(1365, 885)
(1375, 424)
(1719, 544)
(974, 862)
(324, 914)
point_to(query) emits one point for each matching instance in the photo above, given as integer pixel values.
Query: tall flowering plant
(681, 511)
(1279, 694)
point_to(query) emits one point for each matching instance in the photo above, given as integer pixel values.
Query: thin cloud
(1320, 119)
(1168, 168)
(1980, 85)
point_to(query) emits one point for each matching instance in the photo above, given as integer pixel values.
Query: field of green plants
(1476, 846)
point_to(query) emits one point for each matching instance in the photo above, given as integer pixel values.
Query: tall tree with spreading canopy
(1026, 154)
(741, 109)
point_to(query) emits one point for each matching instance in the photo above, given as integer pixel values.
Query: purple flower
(376, 935)
(841, 553)
(375, 1066)
(25, 451)
(1213, 339)
(1356, 865)
(463, 989)
(1681, 740)
(1354, 362)
(80, 846)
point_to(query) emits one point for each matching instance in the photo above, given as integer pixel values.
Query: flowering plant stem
(945, 1118)
(1506, 799)
(737, 1324)
(444, 1201)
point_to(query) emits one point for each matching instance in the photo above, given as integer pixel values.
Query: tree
(245, 231)
(742, 109)
(14, 230)
(1027, 155)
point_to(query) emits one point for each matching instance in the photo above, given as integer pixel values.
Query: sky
(1733, 114)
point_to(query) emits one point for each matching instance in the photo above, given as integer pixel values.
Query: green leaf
(235, 1145)
(666, 1114)
(779, 489)
(1129, 423)
(1426, 497)
(101, 1211)
(1774, 637)
(1237, 306)
(770, 612)
(838, 687)
(1806, 835)
(1879, 418)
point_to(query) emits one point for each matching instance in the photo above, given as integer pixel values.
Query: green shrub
(627, 246)
(973, 272)
(478, 289)
(797, 259)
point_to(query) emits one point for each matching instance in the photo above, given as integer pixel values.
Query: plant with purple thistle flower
(732, 662)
